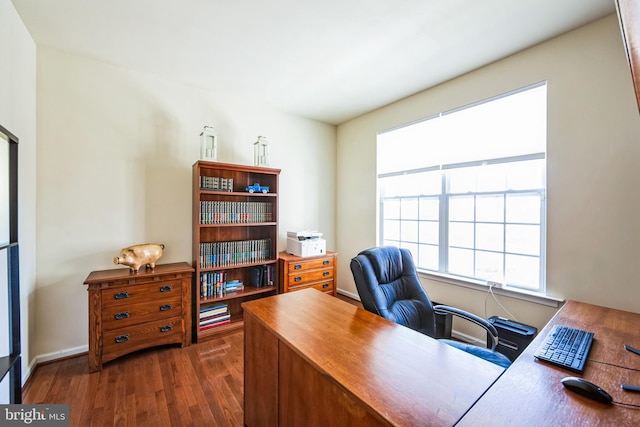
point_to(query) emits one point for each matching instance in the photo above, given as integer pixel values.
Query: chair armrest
(483, 323)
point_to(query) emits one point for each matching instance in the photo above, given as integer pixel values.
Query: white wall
(18, 115)
(593, 244)
(115, 150)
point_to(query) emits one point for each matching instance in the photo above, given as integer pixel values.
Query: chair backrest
(388, 285)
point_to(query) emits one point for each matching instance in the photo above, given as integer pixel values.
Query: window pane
(391, 209)
(526, 175)
(523, 208)
(461, 208)
(491, 178)
(429, 232)
(461, 180)
(428, 257)
(409, 231)
(412, 247)
(490, 237)
(461, 262)
(490, 208)
(409, 208)
(523, 239)
(489, 266)
(391, 230)
(461, 234)
(429, 208)
(523, 271)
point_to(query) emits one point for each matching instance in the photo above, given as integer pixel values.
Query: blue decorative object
(257, 188)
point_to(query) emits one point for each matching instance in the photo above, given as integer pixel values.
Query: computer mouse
(587, 389)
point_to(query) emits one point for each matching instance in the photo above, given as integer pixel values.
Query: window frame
(443, 220)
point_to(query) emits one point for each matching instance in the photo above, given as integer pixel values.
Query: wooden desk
(529, 393)
(314, 360)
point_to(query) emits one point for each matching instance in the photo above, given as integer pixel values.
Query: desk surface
(403, 376)
(530, 393)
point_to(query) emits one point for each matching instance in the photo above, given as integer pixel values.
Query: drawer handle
(326, 273)
(325, 262)
(120, 316)
(166, 307)
(297, 279)
(166, 288)
(121, 338)
(325, 286)
(297, 267)
(166, 328)
(121, 295)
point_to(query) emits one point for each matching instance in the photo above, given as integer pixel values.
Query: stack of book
(215, 315)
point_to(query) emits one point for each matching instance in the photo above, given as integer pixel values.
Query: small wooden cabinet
(132, 311)
(319, 272)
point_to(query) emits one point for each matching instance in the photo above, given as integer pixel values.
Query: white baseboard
(349, 294)
(48, 357)
(468, 338)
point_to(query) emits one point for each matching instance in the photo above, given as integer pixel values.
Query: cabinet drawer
(125, 340)
(120, 316)
(132, 294)
(324, 286)
(311, 276)
(310, 264)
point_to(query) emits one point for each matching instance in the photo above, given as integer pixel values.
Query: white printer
(306, 243)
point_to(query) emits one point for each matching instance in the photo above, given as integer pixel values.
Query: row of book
(213, 316)
(224, 254)
(219, 212)
(216, 183)
(214, 284)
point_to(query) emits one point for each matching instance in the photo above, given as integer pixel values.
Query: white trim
(468, 339)
(349, 294)
(534, 297)
(48, 357)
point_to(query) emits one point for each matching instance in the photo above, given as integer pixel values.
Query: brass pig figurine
(138, 255)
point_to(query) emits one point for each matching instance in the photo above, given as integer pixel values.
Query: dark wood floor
(200, 385)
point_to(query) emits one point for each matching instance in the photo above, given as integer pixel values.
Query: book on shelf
(213, 310)
(223, 212)
(262, 275)
(213, 325)
(215, 319)
(213, 284)
(232, 253)
(215, 183)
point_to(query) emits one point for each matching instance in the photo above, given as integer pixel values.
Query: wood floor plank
(200, 385)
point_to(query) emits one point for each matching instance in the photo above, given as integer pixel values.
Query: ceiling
(328, 60)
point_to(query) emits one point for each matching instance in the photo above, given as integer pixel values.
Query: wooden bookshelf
(234, 233)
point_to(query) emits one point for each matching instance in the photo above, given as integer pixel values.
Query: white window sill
(534, 297)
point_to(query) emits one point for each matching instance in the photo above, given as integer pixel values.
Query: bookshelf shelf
(235, 236)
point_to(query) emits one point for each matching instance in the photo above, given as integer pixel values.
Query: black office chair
(388, 285)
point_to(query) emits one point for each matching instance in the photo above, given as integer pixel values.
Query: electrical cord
(490, 292)
(614, 365)
(628, 405)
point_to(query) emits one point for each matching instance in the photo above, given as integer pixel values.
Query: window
(465, 190)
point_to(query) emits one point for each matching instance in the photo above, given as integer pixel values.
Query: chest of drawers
(317, 272)
(133, 311)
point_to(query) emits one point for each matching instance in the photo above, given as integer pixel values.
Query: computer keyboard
(566, 347)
